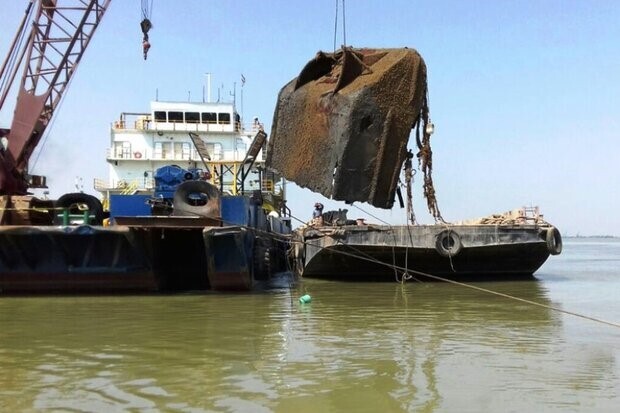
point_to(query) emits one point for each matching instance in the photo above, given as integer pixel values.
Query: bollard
(305, 299)
(65, 217)
(86, 217)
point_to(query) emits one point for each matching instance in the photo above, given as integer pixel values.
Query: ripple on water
(374, 347)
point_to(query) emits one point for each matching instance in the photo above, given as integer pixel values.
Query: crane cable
(344, 29)
(146, 25)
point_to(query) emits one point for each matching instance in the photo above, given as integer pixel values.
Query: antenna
(242, 84)
(234, 94)
(208, 87)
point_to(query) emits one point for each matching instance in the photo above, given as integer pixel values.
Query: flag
(242, 80)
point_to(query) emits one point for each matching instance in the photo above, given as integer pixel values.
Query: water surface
(417, 347)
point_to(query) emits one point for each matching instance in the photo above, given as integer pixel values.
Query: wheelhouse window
(175, 117)
(160, 116)
(209, 117)
(223, 118)
(192, 117)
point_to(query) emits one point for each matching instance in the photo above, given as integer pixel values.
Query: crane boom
(61, 31)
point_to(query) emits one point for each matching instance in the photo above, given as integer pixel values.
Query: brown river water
(363, 347)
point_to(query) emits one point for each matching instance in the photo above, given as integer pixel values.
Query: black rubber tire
(263, 259)
(297, 258)
(448, 243)
(71, 201)
(183, 207)
(554, 241)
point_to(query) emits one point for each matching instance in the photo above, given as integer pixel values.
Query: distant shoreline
(591, 236)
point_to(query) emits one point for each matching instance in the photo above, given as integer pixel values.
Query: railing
(123, 186)
(147, 123)
(100, 185)
(142, 155)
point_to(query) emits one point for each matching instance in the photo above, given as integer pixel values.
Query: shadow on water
(278, 282)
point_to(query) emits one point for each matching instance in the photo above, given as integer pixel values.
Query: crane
(60, 32)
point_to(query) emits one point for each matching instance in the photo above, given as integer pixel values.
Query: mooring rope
(481, 289)
(375, 217)
(288, 238)
(405, 274)
(473, 287)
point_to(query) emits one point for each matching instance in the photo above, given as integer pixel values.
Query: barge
(453, 251)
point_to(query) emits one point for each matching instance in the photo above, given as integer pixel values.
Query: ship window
(186, 151)
(162, 150)
(223, 118)
(192, 117)
(181, 150)
(209, 117)
(126, 150)
(175, 116)
(160, 116)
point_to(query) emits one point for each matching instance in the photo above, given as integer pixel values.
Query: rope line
(336, 26)
(365, 257)
(375, 217)
(344, 27)
(481, 289)
(287, 238)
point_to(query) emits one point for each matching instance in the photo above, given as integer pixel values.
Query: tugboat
(190, 181)
(188, 205)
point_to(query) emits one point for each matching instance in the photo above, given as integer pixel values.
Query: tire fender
(448, 243)
(554, 241)
(182, 206)
(71, 201)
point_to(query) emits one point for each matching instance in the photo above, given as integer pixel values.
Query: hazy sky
(523, 94)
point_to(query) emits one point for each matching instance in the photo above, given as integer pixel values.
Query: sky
(523, 94)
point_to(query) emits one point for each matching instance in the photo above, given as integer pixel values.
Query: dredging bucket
(341, 127)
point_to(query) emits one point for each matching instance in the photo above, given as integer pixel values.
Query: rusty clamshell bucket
(341, 127)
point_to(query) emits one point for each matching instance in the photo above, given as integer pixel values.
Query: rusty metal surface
(341, 127)
(25, 210)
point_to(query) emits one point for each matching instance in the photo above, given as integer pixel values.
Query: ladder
(201, 148)
(255, 147)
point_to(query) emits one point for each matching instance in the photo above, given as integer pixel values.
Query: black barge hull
(78, 259)
(456, 251)
(144, 255)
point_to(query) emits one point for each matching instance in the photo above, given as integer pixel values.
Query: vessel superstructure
(141, 143)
